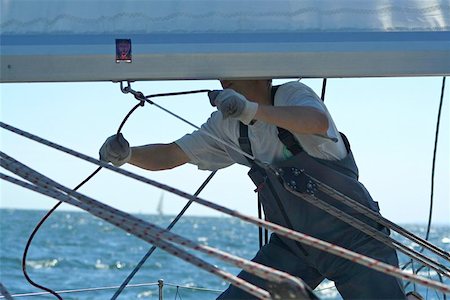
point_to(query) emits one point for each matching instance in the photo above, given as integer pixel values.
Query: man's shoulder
(295, 91)
(216, 124)
(294, 85)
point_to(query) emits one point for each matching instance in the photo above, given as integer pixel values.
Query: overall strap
(288, 139)
(284, 135)
(244, 141)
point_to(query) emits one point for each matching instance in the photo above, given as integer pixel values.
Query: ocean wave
(42, 264)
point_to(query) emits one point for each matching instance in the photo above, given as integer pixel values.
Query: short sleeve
(329, 146)
(298, 94)
(202, 149)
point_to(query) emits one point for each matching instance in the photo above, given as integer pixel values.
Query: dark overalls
(352, 280)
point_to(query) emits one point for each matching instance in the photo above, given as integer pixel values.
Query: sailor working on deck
(286, 125)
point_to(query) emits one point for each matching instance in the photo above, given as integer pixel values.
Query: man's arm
(156, 157)
(296, 119)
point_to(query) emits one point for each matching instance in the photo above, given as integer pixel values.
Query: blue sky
(390, 123)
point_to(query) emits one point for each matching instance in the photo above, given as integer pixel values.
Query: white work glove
(115, 150)
(233, 105)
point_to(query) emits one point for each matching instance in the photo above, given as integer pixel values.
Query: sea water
(74, 250)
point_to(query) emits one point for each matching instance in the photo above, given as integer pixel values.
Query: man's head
(254, 90)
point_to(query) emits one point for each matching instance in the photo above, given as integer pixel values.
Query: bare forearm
(301, 120)
(156, 157)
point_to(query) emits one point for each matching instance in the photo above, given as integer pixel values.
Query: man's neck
(263, 95)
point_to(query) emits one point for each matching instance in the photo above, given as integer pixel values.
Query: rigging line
(159, 185)
(270, 226)
(150, 232)
(145, 235)
(380, 219)
(379, 237)
(140, 97)
(38, 226)
(432, 176)
(434, 158)
(321, 245)
(311, 241)
(127, 173)
(324, 86)
(36, 229)
(137, 226)
(369, 230)
(166, 246)
(50, 212)
(153, 248)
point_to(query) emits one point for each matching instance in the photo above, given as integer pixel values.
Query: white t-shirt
(209, 154)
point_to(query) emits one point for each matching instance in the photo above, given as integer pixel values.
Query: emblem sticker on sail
(123, 50)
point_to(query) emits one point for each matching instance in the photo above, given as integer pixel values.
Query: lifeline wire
(436, 137)
(139, 96)
(300, 237)
(142, 229)
(104, 288)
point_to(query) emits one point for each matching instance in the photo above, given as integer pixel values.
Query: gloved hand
(233, 105)
(115, 150)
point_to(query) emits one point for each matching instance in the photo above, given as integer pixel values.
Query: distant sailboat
(159, 208)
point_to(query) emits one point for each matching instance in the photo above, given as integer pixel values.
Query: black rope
(324, 86)
(48, 214)
(139, 96)
(260, 230)
(436, 137)
(430, 214)
(25, 253)
(153, 248)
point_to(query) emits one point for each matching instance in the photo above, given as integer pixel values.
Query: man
(285, 125)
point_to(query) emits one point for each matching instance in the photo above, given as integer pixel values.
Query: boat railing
(160, 284)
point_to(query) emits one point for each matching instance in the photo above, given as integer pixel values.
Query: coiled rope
(321, 245)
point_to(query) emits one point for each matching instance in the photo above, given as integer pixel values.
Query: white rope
(380, 219)
(257, 292)
(369, 230)
(142, 229)
(321, 245)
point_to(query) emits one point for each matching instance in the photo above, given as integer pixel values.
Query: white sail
(69, 40)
